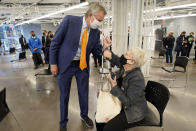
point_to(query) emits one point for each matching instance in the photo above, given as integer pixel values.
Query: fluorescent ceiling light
(172, 7)
(173, 17)
(55, 13)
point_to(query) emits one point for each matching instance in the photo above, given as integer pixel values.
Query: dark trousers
(195, 54)
(118, 123)
(64, 83)
(189, 50)
(46, 55)
(169, 55)
(37, 59)
(178, 53)
(99, 59)
(184, 51)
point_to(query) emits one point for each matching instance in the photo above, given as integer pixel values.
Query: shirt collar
(84, 23)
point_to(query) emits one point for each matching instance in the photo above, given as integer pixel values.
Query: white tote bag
(108, 106)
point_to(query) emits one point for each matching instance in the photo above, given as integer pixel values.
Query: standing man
(35, 46)
(190, 40)
(23, 42)
(74, 41)
(181, 40)
(44, 41)
(169, 44)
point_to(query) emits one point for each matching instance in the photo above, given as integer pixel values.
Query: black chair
(4, 110)
(181, 61)
(158, 95)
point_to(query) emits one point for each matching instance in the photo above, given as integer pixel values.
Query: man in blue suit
(74, 41)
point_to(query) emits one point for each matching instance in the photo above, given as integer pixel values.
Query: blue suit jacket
(65, 44)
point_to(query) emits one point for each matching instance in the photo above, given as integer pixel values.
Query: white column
(119, 26)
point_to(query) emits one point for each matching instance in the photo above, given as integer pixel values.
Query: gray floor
(37, 110)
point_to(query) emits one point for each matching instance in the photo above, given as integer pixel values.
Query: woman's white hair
(139, 56)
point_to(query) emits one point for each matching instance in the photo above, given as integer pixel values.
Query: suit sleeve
(58, 40)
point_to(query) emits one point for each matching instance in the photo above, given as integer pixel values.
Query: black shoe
(63, 128)
(36, 67)
(88, 122)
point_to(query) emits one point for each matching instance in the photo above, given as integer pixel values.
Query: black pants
(99, 59)
(118, 123)
(189, 50)
(195, 54)
(178, 53)
(37, 59)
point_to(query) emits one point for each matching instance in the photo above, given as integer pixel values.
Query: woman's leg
(118, 123)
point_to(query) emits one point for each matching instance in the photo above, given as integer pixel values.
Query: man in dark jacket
(190, 40)
(35, 46)
(23, 42)
(181, 40)
(169, 44)
(44, 37)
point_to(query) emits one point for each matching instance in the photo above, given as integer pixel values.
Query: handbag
(108, 106)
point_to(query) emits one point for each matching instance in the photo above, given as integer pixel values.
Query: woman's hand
(112, 81)
(107, 54)
(107, 42)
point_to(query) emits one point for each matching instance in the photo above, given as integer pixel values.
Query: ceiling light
(172, 17)
(55, 13)
(172, 7)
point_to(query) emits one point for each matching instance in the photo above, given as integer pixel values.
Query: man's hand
(107, 54)
(35, 49)
(54, 69)
(112, 81)
(107, 42)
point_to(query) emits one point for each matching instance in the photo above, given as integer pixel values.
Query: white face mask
(95, 24)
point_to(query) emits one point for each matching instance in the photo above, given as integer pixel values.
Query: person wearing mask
(35, 46)
(44, 41)
(181, 40)
(47, 47)
(74, 41)
(129, 86)
(190, 40)
(23, 42)
(169, 44)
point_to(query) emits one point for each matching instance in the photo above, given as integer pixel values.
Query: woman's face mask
(123, 60)
(95, 24)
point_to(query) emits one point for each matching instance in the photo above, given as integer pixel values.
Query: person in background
(130, 90)
(99, 57)
(47, 47)
(195, 50)
(1, 48)
(74, 41)
(44, 41)
(22, 42)
(190, 40)
(169, 44)
(181, 40)
(35, 46)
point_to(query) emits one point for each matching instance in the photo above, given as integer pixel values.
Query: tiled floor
(39, 110)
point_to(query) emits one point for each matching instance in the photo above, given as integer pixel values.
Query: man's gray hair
(139, 56)
(94, 8)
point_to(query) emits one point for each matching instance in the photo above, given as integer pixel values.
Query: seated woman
(130, 91)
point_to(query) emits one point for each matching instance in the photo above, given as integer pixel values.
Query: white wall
(187, 24)
(49, 27)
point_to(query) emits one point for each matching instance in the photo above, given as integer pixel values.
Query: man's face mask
(95, 24)
(33, 35)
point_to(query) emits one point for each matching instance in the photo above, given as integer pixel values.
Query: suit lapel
(78, 29)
